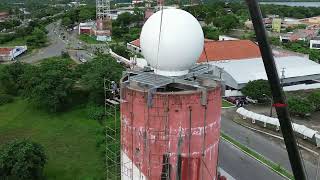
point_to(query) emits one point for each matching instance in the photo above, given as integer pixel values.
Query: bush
(300, 106)
(22, 159)
(5, 99)
(256, 90)
(95, 112)
(100, 141)
(314, 98)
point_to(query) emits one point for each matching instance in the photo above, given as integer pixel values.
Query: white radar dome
(179, 45)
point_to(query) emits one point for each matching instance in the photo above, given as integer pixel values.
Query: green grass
(69, 139)
(273, 166)
(16, 42)
(88, 39)
(226, 103)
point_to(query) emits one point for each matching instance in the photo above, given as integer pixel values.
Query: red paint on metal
(149, 133)
(279, 105)
(190, 168)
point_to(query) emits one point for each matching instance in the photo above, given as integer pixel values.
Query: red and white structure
(10, 53)
(170, 118)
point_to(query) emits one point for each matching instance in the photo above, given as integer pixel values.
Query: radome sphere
(179, 45)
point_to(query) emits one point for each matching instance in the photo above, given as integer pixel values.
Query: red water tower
(170, 127)
(170, 114)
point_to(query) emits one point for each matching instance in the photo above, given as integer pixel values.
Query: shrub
(95, 112)
(5, 99)
(100, 141)
(314, 98)
(300, 106)
(256, 90)
(22, 159)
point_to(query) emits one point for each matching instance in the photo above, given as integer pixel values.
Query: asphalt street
(55, 48)
(242, 167)
(261, 144)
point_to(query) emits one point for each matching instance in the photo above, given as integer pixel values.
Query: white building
(315, 43)
(294, 70)
(134, 46)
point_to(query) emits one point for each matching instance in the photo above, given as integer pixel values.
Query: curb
(250, 155)
(228, 107)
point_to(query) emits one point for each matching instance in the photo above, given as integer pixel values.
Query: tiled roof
(4, 14)
(5, 51)
(229, 50)
(225, 50)
(136, 42)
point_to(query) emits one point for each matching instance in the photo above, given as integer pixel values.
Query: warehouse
(293, 71)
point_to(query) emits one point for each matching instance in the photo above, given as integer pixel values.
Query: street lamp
(271, 103)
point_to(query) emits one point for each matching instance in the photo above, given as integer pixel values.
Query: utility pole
(279, 99)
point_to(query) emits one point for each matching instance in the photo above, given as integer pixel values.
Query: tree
(314, 98)
(66, 22)
(212, 33)
(93, 78)
(10, 77)
(37, 39)
(120, 50)
(257, 89)
(300, 106)
(226, 22)
(87, 13)
(22, 159)
(50, 84)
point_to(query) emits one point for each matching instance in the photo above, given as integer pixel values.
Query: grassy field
(16, 42)
(89, 39)
(69, 139)
(226, 103)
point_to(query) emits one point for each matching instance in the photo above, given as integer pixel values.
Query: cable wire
(159, 37)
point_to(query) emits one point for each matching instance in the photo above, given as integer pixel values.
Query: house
(315, 43)
(4, 16)
(299, 35)
(10, 53)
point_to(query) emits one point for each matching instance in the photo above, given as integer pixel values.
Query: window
(316, 45)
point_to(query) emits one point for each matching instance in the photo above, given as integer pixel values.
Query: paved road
(268, 148)
(58, 45)
(55, 48)
(242, 167)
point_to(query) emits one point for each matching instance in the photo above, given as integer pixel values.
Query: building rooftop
(5, 50)
(245, 70)
(301, 33)
(316, 38)
(229, 50)
(136, 42)
(216, 50)
(4, 14)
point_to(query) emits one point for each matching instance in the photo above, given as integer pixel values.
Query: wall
(176, 124)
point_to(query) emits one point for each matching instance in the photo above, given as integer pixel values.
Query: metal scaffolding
(113, 125)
